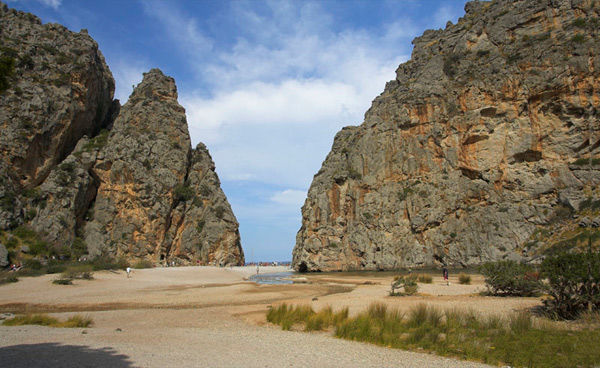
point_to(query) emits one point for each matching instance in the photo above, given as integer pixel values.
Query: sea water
(286, 277)
(277, 278)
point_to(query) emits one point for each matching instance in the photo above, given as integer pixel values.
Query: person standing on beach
(445, 274)
(128, 269)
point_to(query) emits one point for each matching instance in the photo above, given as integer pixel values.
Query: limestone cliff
(484, 135)
(56, 88)
(75, 166)
(158, 199)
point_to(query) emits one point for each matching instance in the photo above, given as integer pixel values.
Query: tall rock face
(55, 88)
(203, 227)
(151, 186)
(92, 178)
(484, 135)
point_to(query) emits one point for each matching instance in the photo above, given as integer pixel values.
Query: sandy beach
(214, 317)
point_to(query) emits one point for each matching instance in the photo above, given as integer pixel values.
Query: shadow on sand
(56, 355)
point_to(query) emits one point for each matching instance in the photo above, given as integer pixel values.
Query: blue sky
(265, 84)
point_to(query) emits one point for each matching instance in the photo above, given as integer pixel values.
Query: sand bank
(212, 317)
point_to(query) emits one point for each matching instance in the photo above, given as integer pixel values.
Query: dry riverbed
(213, 317)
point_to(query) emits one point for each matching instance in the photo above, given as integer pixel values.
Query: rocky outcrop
(79, 170)
(157, 197)
(58, 90)
(62, 201)
(483, 136)
(203, 227)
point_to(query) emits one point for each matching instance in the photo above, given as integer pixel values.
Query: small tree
(409, 284)
(573, 283)
(511, 278)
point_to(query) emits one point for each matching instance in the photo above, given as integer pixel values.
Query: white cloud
(276, 133)
(283, 90)
(51, 3)
(290, 197)
(182, 28)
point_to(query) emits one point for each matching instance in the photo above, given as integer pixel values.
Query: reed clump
(425, 279)
(517, 340)
(288, 316)
(464, 279)
(46, 320)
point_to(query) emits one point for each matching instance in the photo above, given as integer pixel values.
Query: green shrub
(183, 193)
(287, 317)
(12, 243)
(30, 272)
(404, 193)
(62, 79)
(578, 38)
(354, 174)
(103, 263)
(464, 279)
(142, 263)
(121, 263)
(8, 278)
(513, 341)
(38, 247)
(573, 283)
(579, 22)
(79, 272)
(582, 161)
(483, 53)
(77, 321)
(409, 284)
(24, 232)
(511, 278)
(55, 266)
(425, 279)
(46, 320)
(450, 65)
(7, 203)
(97, 142)
(78, 248)
(7, 68)
(63, 281)
(589, 203)
(33, 264)
(35, 319)
(30, 214)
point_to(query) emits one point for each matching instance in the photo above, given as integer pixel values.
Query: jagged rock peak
(477, 143)
(80, 170)
(155, 84)
(158, 199)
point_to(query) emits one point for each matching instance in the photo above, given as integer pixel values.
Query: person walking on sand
(445, 274)
(128, 269)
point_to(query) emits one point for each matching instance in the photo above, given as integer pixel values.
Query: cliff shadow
(64, 356)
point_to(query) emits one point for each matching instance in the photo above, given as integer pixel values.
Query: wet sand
(213, 317)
